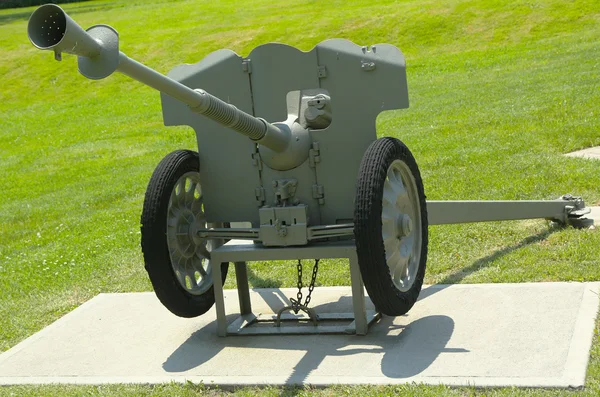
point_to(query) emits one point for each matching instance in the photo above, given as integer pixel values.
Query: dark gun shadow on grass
(486, 261)
(19, 16)
(260, 282)
(71, 8)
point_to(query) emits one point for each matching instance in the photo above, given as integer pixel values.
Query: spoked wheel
(390, 226)
(177, 261)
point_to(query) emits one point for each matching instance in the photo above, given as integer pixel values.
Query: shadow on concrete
(407, 350)
(406, 353)
(417, 346)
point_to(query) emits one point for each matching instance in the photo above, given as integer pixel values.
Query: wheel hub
(190, 255)
(404, 225)
(401, 225)
(184, 233)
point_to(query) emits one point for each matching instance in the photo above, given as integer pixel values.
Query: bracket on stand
(248, 323)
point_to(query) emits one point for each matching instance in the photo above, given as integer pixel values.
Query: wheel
(390, 226)
(177, 261)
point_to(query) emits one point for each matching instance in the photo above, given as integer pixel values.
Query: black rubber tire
(386, 297)
(154, 240)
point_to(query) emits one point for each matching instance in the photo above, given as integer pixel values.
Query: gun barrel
(50, 28)
(202, 102)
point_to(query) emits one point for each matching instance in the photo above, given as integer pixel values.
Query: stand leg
(358, 297)
(219, 299)
(241, 275)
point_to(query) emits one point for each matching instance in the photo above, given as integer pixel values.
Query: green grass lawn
(499, 90)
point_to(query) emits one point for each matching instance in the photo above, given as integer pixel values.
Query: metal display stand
(240, 251)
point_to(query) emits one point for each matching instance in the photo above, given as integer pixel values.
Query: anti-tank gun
(287, 146)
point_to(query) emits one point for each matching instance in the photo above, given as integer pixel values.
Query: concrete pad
(535, 334)
(588, 153)
(594, 215)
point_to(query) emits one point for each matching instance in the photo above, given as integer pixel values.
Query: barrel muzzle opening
(47, 26)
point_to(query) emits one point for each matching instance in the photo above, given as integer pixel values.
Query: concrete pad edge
(315, 381)
(583, 336)
(58, 323)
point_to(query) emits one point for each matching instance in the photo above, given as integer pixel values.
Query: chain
(299, 284)
(297, 303)
(313, 279)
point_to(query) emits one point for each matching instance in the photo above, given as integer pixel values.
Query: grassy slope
(499, 90)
